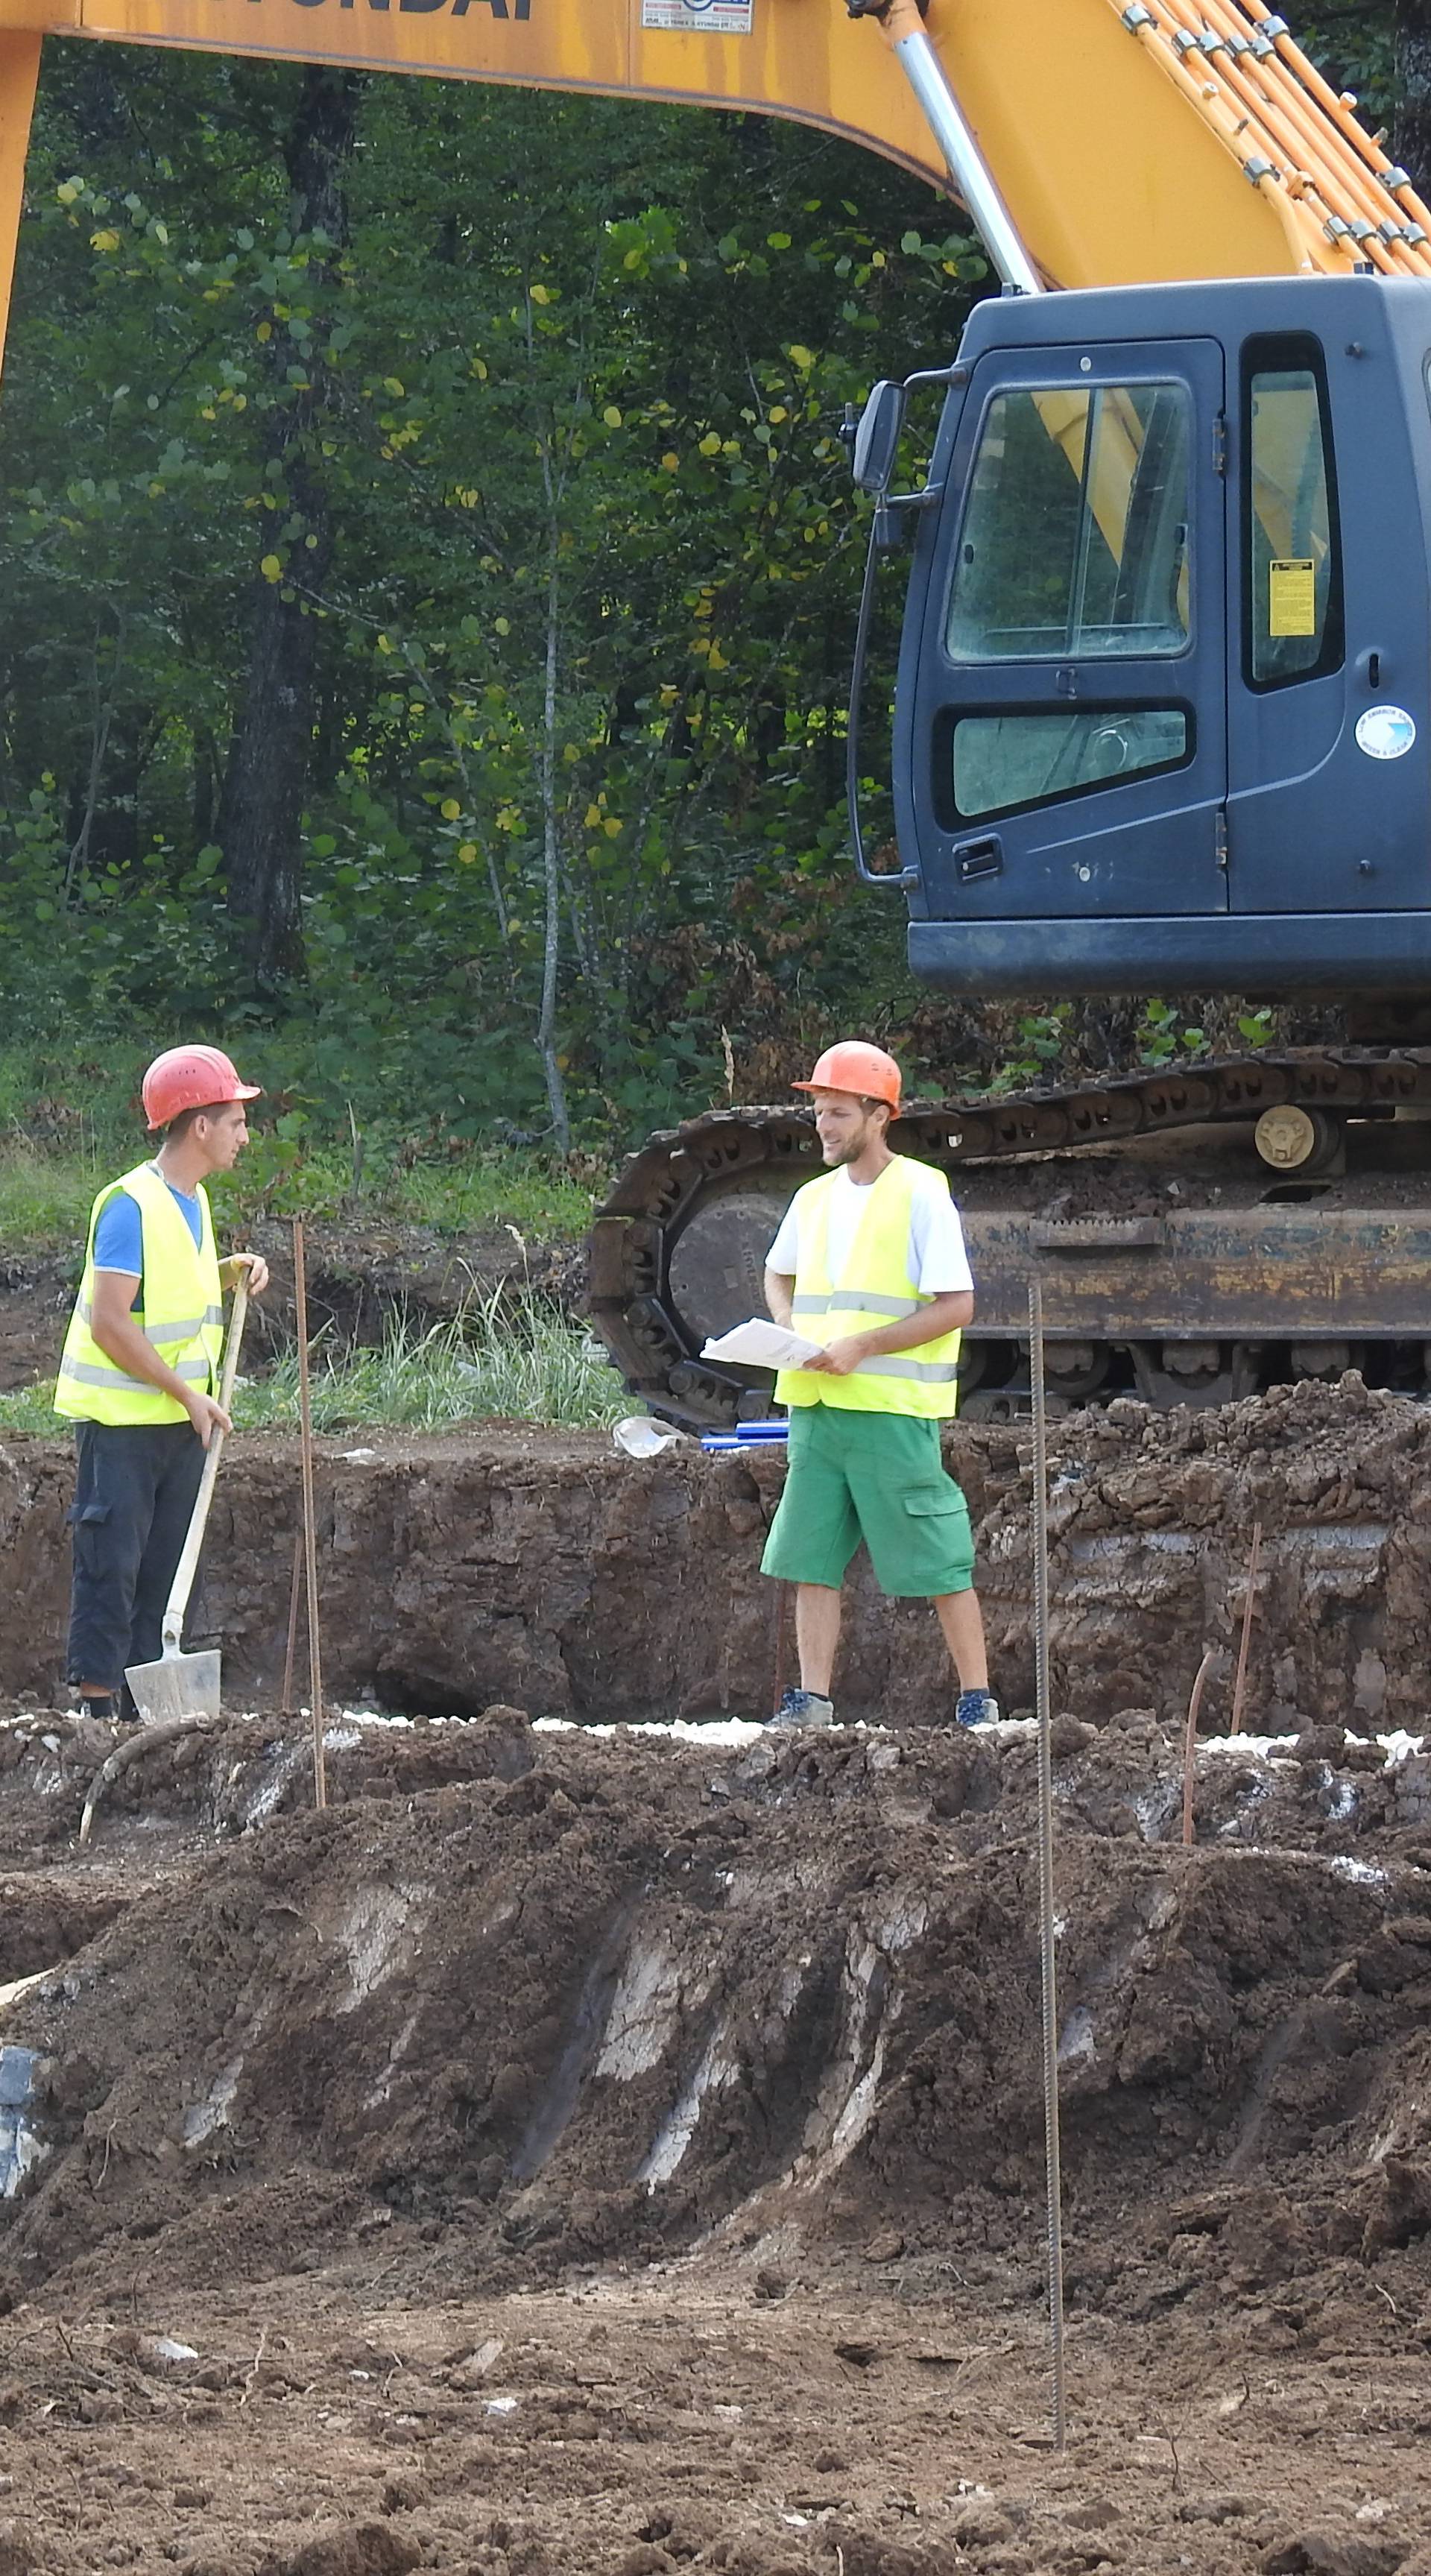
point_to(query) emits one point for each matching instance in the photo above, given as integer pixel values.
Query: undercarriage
(1199, 1232)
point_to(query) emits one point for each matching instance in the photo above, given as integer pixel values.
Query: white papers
(761, 1344)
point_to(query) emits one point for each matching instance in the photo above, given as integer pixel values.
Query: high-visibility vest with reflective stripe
(873, 1288)
(181, 1312)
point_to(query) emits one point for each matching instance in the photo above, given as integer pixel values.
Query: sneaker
(976, 1708)
(803, 1708)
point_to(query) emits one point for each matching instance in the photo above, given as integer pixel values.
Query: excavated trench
(617, 2147)
(542, 1570)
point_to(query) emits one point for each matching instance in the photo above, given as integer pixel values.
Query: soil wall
(587, 2000)
(543, 1570)
(621, 2155)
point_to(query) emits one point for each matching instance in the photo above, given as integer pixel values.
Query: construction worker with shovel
(870, 1264)
(140, 1370)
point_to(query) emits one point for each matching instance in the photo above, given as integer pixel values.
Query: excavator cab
(1163, 713)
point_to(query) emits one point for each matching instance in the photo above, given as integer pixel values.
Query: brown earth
(604, 2154)
(544, 1570)
(360, 1279)
(614, 2154)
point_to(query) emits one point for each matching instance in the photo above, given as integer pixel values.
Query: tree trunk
(1412, 136)
(551, 856)
(262, 804)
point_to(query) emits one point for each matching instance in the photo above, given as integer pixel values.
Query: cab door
(1328, 740)
(1062, 733)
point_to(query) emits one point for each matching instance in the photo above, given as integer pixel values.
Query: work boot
(101, 1706)
(803, 1708)
(976, 1708)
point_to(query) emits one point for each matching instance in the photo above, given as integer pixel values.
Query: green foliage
(1257, 1028)
(1164, 1037)
(584, 632)
(1042, 1039)
(45, 1199)
(493, 1364)
(583, 608)
(426, 1178)
(1354, 43)
(29, 1408)
(528, 1365)
(70, 1120)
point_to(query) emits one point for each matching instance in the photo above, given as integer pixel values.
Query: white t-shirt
(938, 1262)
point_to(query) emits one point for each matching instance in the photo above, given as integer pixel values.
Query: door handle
(976, 859)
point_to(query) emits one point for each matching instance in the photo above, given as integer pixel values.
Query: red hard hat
(854, 1065)
(191, 1077)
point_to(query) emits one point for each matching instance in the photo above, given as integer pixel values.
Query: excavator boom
(1127, 143)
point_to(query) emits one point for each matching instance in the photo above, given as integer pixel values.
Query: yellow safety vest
(182, 1313)
(874, 1288)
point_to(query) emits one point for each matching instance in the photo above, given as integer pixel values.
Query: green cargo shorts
(877, 1477)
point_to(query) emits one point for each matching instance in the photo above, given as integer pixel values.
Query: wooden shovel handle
(187, 1567)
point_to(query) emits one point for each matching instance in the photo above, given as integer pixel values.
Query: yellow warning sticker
(1292, 597)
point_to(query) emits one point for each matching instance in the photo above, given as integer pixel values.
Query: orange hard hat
(191, 1077)
(854, 1065)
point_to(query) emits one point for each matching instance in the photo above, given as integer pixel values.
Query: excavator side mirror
(876, 441)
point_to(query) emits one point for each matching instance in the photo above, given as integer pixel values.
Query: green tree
(444, 544)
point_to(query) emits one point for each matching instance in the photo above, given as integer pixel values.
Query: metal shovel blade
(178, 1685)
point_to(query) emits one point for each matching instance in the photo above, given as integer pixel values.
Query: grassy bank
(46, 1193)
(532, 1366)
(70, 1122)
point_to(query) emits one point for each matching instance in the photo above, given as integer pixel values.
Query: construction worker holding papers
(869, 1264)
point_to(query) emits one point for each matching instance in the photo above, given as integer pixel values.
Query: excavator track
(1175, 1262)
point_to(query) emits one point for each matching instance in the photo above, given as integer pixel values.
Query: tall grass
(46, 1191)
(494, 1362)
(45, 1198)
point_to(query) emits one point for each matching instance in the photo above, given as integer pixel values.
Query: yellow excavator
(1163, 704)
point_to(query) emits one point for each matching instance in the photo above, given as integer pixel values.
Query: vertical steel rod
(295, 1594)
(1239, 1687)
(310, 1529)
(1047, 1934)
(1190, 1741)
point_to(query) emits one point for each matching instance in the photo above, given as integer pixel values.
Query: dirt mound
(45, 1916)
(621, 2155)
(641, 1997)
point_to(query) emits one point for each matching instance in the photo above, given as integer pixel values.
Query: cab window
(1075, 537)
(1003, 764)
(1292, 555)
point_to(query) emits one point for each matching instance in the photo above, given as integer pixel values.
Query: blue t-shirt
(119, 1235)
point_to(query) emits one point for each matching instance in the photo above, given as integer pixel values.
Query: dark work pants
(134, 1496)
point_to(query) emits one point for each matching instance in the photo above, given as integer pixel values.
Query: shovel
(180, 1685)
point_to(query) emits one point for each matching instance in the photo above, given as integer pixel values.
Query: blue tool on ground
(746, 1435)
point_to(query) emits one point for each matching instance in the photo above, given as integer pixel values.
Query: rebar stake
(310, 1529)
(1190, 1742)
(1249, 1607)
(1052, 2161)
(295, 1593)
